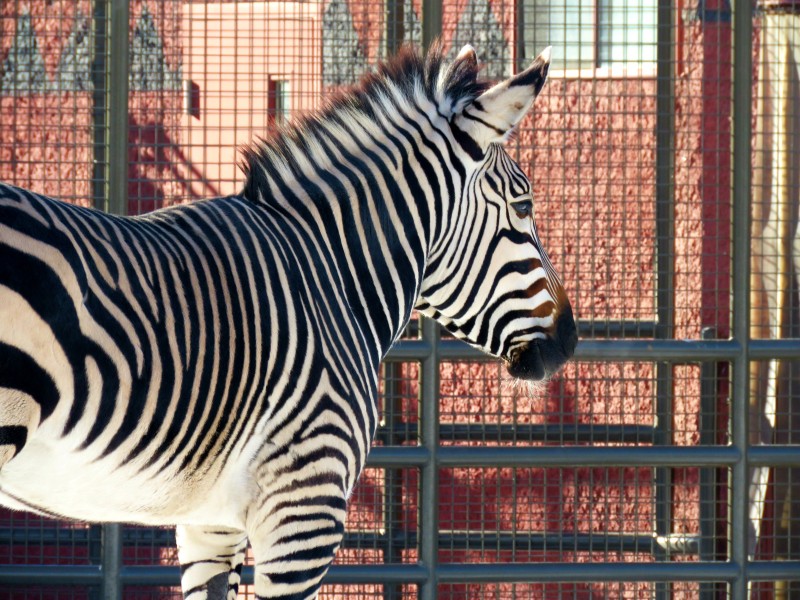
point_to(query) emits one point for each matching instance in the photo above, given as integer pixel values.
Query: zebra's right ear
(492, 116)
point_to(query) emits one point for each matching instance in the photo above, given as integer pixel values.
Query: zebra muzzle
(541, 358)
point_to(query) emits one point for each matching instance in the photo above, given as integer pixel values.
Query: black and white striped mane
(406, 80)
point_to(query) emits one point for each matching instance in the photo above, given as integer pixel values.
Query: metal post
(431, 21)
(117, 108)
(112, 561)
(739, 524)
(395, 26)
(100, 104)
(392, 496)
(708, 475)
(665, 276)
(429, 472)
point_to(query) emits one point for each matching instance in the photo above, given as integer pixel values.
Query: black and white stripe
(214, 365)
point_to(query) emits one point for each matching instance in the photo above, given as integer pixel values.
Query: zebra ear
(492, 116)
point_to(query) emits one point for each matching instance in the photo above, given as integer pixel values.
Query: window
(587, 34)
(279, 100)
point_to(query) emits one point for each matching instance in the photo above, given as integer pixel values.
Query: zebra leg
(296, 541)
(211, 561)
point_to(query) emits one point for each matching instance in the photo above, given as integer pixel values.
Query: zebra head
(489, 280)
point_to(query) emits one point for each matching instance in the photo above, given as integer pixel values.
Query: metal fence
(664, 152)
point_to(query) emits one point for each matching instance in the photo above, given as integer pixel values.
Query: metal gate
(664, 154)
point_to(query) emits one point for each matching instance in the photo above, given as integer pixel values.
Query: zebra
(214, 365)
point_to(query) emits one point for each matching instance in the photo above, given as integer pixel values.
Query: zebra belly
(53, 480)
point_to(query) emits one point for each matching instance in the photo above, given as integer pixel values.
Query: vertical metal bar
(117, 108)
(742, 131)
(395, 26)
(100, 104)
(665, 276)
(95, 550)
(519, 34)
(431, 21)
(708, 475)
(392, 498)
(112, 561)
(429, 474)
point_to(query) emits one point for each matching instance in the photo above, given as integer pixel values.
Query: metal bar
(739, 525)
(778, 570)
(576, 456)
(586, 572)
(112, 561)
(673, 351)
(429, 472)
(708, 475)
(519, 37)
(93, 541)
(100, 104)
(117, 102)
(431, 22)
(448, 573)
(569, 433)
(395, 26)
(410, 573)
(392, 496)
(665, 275)
(617, 328)
(769, 349)
(394, 457)
(773, 456)
(51, 574)
(587, 456)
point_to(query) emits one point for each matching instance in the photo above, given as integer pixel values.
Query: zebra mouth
(541, 358)
(526, 362)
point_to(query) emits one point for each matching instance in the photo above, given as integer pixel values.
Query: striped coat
(214, 365)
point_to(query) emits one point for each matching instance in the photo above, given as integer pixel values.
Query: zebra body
(214, 365)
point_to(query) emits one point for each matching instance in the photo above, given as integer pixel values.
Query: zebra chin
(541, 358)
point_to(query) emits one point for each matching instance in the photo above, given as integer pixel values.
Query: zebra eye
(523, 208)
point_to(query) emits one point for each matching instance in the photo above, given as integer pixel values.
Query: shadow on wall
(159, 171)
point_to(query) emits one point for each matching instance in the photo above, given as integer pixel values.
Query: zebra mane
(408, 79)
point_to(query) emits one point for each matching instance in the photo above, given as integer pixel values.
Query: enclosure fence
(664, 153)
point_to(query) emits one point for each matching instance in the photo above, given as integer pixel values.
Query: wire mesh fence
(664, 461)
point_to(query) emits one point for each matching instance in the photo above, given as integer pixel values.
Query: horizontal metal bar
(447, 573)
(408, 573)
(565, 456)
(767, 349)
(411, 350)
(762, 570)
(588, 456)
(774, 456)
(593, 350)
(397, 573)
(570, 432)
(398, 457)
(51, 574)
(674, 351)
(586, 572)
(616, 329)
